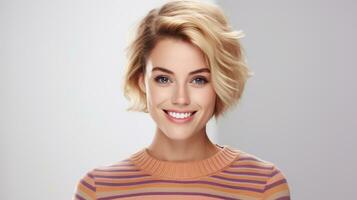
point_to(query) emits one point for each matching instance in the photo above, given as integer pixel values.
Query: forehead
(177, 56)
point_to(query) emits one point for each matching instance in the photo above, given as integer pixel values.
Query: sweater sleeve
(85, 189)
(276, 187)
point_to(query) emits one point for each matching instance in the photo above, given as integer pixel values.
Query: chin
(177, 134)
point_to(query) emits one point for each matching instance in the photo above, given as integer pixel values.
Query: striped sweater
(229, 174)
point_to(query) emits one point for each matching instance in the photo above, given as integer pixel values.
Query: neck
(198, 147)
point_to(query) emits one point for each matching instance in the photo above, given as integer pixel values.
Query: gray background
(63, 112)
(299, 110)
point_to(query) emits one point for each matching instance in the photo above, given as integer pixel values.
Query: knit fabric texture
(229, 174)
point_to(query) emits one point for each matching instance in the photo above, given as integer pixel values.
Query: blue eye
(165, 80)
(201, 80)
(161, 79)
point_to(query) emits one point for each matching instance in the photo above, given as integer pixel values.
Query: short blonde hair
(203, 25)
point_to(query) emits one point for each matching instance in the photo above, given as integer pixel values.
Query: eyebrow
(170, 72)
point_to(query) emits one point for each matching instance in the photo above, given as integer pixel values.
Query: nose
(181, 95)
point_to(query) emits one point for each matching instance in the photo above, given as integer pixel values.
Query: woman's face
(178, 82)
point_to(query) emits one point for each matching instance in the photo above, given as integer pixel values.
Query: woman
(185, 66)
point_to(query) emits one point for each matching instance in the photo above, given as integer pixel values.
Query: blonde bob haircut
(201, 24)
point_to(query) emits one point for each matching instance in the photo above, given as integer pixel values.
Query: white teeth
(179, 115)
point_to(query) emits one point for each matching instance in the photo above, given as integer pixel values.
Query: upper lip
(178, 111)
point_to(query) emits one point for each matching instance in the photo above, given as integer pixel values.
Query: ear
(141, 83)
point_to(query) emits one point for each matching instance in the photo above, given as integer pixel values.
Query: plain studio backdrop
(62, 111)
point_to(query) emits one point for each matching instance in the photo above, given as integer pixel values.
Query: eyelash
(205, 81)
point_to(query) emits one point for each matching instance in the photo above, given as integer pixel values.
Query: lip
(178, 111)
(179, 121)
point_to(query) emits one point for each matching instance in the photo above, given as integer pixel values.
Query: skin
(179, 91)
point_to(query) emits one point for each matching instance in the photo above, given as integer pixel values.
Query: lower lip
(179, 121)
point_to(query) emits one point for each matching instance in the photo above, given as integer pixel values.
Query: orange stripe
(277, 189)
(86, 191)
(198, 186)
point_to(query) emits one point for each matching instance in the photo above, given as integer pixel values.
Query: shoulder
(87, 186)
(274, 181)
(114, 169)
(252, 160)
(248, 159)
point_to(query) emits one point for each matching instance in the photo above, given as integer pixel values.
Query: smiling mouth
(179, 117)
(192, 113)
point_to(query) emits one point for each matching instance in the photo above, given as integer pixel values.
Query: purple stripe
(91, 176)
(239, 180)
(88, 185)
(284, 198)
(167, 193)
(250, 166)
(247, 173)
(121, 177)
(79, 197)
(275, 184)
(274, 173)
(182, 182)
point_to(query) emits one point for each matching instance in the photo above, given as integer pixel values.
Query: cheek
(205, 97)
(157, 95)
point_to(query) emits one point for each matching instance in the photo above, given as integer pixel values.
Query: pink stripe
(275, 184)
(167, 193)
(88, 185)
(182, 182)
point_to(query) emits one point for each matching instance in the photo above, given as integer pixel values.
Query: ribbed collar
(184, 170)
